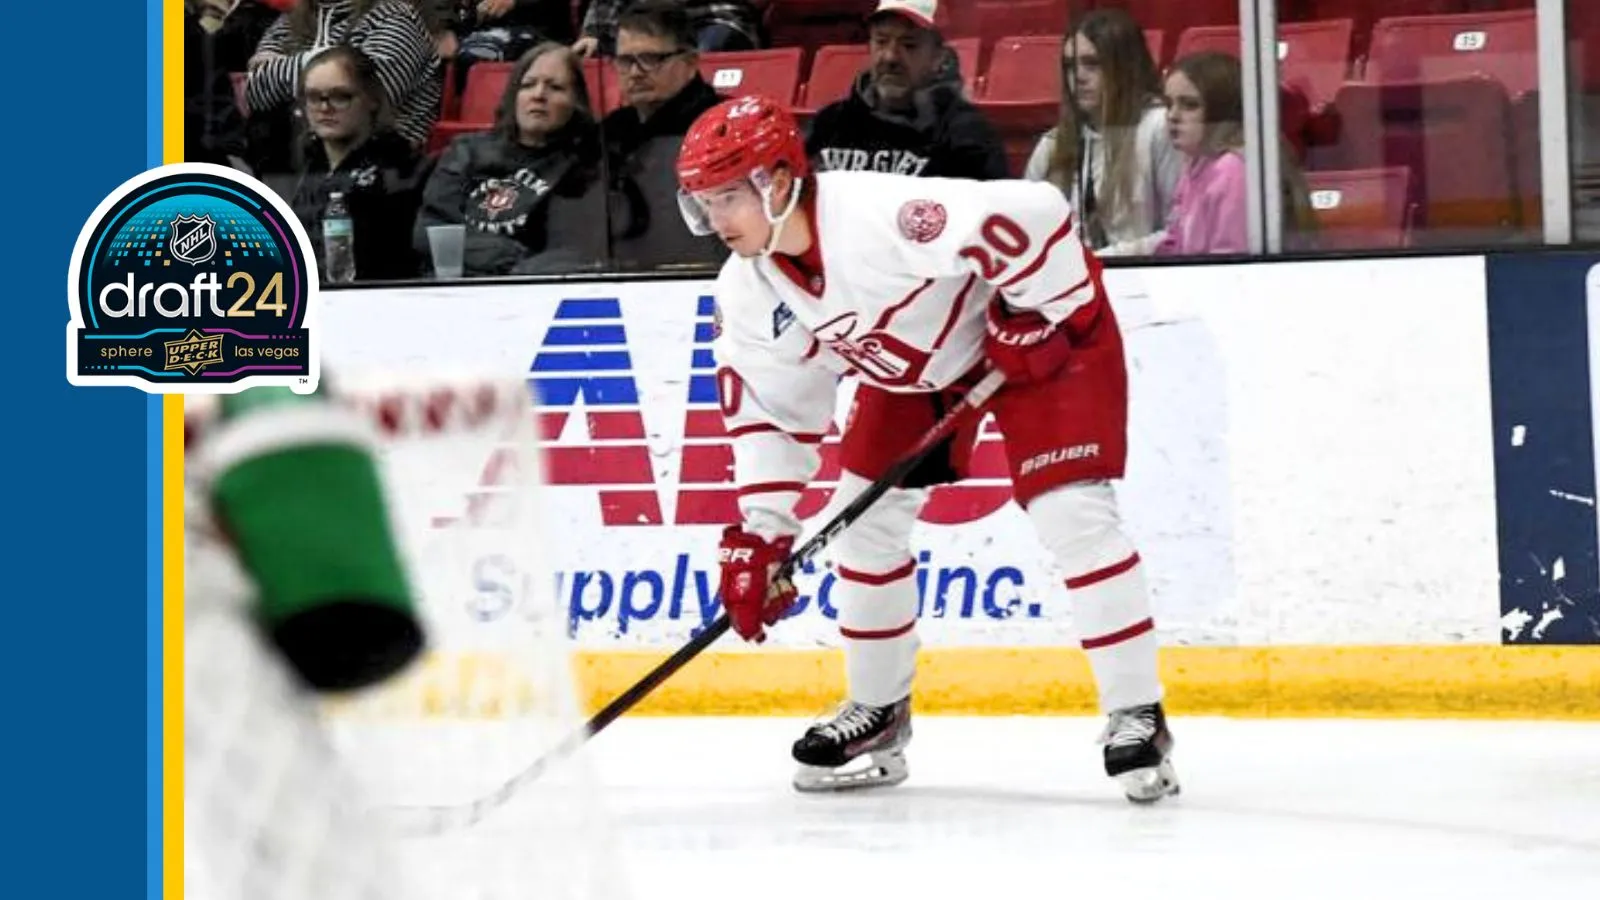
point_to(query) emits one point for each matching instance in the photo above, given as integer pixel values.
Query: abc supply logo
(192, 278)
(593, 433)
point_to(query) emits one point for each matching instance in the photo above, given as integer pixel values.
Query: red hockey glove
(749, 593)
(1024, 344)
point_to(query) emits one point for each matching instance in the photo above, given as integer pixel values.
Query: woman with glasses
(519, 189)
(392, 33)
(353, 149)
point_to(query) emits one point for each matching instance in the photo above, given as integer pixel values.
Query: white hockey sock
(1111, 606)
(1106, 585)
(877, 620)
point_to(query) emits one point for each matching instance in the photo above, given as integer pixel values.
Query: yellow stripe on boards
(1362, 681)
(1399, 681)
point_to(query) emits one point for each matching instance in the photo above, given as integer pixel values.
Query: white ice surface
(1018, 807)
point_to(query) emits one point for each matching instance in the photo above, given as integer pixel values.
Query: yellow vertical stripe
(172, 637)
(172, 509)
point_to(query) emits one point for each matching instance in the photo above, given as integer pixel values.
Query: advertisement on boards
(1310, 458)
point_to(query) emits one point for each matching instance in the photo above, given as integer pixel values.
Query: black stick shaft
(973, 401)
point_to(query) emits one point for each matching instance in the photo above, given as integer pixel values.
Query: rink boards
(1356, 485)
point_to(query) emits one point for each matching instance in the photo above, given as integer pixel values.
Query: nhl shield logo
(193, 239)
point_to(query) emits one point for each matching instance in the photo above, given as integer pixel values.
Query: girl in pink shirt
(1205, 123)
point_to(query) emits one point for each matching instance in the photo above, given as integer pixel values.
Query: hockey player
(915, 286)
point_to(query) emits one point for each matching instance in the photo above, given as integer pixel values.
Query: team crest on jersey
(782, 318)
(498, 197)
(922, 220)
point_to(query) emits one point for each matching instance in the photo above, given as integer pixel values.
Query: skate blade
(876, 771)
(1146, 786)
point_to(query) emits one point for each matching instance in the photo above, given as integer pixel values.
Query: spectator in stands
(507, 185)
(1205, 118)
(235, 27)
(663, 93)
(1110, 151)
(354, 150)
(213, 125)
(715, 26)
(907, 113)
(1205, 121)
(392, 33)
(472, 31)
(659, 69)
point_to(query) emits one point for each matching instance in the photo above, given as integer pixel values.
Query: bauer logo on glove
(752, 591)
(1024, 344)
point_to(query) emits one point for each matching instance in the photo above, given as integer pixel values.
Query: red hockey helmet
(747, 137)
(741, 141)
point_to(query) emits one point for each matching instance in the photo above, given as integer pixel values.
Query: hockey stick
(446, 818)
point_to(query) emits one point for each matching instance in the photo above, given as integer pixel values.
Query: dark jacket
(235, 41)
(382, 184)
(647, 229)
(213, 125)
(551, 18)
(625, 132)
(942, 134)
(741, 15)
(505, 194)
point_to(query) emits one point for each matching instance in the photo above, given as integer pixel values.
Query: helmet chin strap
(780, 220)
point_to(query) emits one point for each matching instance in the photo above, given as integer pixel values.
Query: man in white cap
(906, 113)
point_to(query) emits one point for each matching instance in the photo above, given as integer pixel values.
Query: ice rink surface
(1018, 807)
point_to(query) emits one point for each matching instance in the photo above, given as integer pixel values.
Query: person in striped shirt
(392, 32)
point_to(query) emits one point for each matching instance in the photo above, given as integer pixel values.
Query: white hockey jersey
(908, 268)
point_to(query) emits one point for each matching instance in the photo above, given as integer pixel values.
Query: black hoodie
(942, 134)
(382, 185)
(625, 132)
(505, 193)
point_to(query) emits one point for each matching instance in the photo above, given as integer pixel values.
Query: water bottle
(338, 242)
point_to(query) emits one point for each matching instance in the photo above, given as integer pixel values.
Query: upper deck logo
(193, 278)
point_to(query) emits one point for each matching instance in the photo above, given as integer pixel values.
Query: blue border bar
(154, 781)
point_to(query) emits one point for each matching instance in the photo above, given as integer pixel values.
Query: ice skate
(1137, 749)
(860, 747)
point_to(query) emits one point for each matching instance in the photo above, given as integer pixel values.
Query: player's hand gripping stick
(752, 592)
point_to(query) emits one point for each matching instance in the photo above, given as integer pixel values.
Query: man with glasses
(907, 114)
(663, 93)
(658, 67)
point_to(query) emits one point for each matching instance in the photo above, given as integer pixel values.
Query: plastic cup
(448, 245)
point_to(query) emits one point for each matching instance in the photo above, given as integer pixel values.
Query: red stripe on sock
(877, 635)
(772, 487)
(1117, 637)
(878, 578)
(1099, 575)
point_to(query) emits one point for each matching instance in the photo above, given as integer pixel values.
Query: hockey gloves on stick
(751, 592)
(1024, 345)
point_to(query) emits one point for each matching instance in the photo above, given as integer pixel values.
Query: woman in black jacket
(354, 150)
(522, 188)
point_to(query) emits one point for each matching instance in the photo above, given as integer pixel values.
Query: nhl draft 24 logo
(193, 278)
